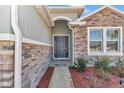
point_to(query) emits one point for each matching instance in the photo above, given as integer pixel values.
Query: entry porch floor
(61, 78)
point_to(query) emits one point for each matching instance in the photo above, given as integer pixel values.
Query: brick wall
(104, 18)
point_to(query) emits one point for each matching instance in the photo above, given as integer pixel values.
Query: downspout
(70, 25)
(18, 46)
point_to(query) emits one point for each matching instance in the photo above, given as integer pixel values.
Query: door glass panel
(61, 47)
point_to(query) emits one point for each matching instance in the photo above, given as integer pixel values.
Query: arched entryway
(62, 40)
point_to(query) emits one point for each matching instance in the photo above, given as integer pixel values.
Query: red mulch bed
(44, 82)
(80, 81)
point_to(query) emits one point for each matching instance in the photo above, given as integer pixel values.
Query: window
(104, 40)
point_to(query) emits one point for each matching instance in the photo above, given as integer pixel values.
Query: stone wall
(105, 18)
(6, 64)
(35, 61)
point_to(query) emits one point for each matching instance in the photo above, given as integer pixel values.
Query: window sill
(106, 54)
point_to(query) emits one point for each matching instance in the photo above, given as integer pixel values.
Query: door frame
(68, 45)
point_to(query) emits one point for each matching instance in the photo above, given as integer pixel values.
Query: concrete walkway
(61, 78)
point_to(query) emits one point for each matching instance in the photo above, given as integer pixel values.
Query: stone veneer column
(80, 42)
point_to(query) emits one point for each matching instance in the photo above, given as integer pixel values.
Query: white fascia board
(103, 7)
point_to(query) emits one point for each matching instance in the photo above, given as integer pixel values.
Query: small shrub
(102, 64)
(72, 66)
(50, 74)
(102, 74)
(120, 62)
(121, 74)
(120, 67)
(105, 75)
(95, 82)
(81, 64)
(97, 73)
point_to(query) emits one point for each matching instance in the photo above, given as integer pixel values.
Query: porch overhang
(44, 13)
(68, 9)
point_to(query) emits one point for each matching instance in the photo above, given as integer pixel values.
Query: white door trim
(68, 45)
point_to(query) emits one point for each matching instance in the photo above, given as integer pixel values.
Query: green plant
(102, 64)
(50, 74)
(72, 66)
(120, 67)
(95, 82)
(105, 75)
(121, 74)
(99, 73)
(80, 64)
(120, 62)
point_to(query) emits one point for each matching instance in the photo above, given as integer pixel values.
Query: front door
(61, 47)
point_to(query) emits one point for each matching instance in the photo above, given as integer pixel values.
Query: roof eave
(72, 9)
(44, 13)
(103, 7)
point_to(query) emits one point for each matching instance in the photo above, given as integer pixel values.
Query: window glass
(95, 45)
(95, 39)
(112, 46)
(112, 34)
(112, 39)
(95, 34)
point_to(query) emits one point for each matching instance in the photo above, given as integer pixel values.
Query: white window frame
(104, 43)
